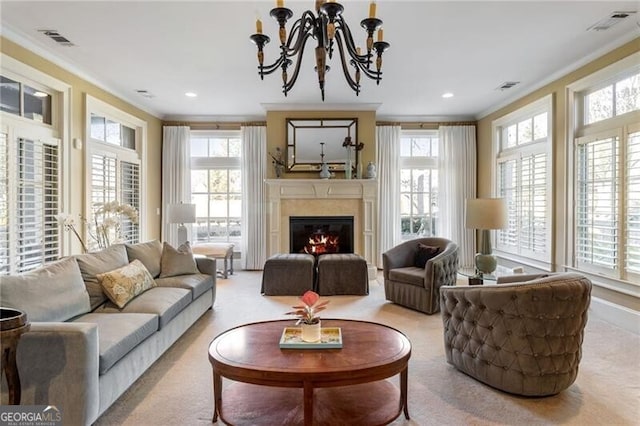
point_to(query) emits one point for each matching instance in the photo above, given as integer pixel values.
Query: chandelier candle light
(329, 29)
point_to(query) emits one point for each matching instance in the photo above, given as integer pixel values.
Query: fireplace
(321, 234)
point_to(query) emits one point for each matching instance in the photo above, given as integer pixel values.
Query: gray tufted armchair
(523, 338)
(415, 287)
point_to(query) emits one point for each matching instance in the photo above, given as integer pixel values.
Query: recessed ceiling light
(191, 94)
(447, 95)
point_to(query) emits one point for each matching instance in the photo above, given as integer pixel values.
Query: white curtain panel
(388, 152)
(254, 212)
(457, 175)
(176, 175)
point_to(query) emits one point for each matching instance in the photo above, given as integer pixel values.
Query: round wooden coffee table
(340, 386)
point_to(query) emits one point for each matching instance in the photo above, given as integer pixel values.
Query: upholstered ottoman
(342, 273)
(288, 274)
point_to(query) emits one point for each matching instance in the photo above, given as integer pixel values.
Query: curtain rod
(425, 125)
(215, 125)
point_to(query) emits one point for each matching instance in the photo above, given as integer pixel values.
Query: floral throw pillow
(178, 261)
(123, 284)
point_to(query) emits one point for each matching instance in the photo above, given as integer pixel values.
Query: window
(606, 174)
(523, 162)
(30, 167)
(418, 184)
(608, 203)
(25, 101)
(29, 178)
(216, 186)
(614, 99)
(115, 160)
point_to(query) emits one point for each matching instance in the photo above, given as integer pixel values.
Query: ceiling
(171, 47)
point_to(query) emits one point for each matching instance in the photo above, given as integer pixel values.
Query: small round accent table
(345, 386)
(13, 323)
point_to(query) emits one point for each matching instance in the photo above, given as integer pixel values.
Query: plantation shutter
(632, 260)
(507, 238)
(597, 202)
(4, 205)
(37, 204)
(130, 194)
(533, 204)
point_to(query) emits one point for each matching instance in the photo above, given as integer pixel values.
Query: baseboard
(617, 315)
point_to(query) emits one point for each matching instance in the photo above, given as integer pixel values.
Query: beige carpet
(177, 389)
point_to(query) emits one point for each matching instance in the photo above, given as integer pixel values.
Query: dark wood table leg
(404, 374)
(217, 396)
(308, 404)
(10, 368)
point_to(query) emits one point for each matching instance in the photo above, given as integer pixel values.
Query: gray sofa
(83, 351)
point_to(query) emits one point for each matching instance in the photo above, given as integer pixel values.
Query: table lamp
(486, 214)
(181, 214)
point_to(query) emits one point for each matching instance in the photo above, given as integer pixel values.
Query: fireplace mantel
(317, 197)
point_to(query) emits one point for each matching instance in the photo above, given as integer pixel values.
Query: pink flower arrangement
(307, 312)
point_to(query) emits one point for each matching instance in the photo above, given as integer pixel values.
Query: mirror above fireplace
(304, 138)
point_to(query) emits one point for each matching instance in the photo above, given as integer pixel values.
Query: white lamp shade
(486, 213)
(181, 213)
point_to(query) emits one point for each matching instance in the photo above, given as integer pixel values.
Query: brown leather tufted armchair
(523, 338)
(415, 287)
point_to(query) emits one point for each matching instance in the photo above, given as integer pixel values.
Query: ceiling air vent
(608, 22)
(55, 36)
(145, 93)
(507, 85)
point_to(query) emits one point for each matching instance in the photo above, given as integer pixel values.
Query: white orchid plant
(105, 229)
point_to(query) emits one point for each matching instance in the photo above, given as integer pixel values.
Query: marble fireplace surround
(323, 197)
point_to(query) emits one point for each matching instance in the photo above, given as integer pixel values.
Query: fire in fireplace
(321, 234)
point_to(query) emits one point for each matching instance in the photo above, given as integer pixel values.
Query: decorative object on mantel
(348, 167)
(324, 167)
(278, 162)
(357, 147)
(371, 171)
(329, 28)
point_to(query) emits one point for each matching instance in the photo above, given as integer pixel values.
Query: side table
(13, 323)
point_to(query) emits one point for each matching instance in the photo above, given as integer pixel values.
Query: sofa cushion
(148, 253)
(123, 284)
(197, 283)
(409, 275)
(119, 334)
(54, 292)
(178, 261)
(92, 264)
(424, 253)
(165, 302)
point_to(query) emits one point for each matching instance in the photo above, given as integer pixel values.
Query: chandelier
(329, 29)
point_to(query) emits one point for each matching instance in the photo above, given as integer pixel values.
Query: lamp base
(486, 263)
(183, 236)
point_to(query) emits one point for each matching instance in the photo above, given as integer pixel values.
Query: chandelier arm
(350, 44)
(345, 68)
(268, 69)
(296, 70)
(299, 31)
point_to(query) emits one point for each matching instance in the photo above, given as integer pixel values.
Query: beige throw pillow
(123, 284)
(178, 261)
